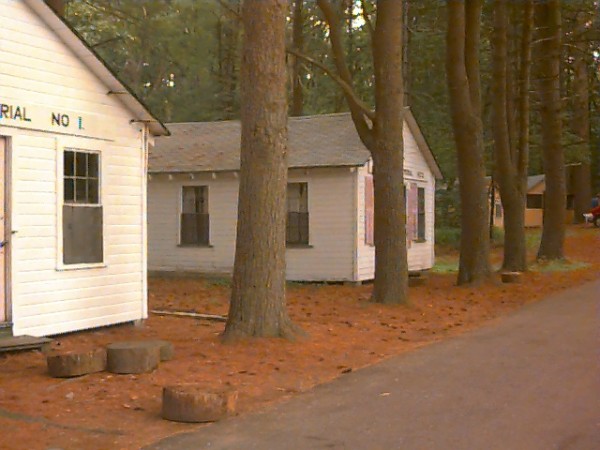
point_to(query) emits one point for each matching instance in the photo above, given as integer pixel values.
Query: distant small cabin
(534, 211)
(193, 191)
(73, 146)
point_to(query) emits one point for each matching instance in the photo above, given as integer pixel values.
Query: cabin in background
(534, 210)
(193, 190)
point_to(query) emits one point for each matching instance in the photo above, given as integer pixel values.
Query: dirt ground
(345, 332)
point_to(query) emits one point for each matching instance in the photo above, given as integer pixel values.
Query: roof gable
(96, 65)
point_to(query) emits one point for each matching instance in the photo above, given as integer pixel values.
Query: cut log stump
(75, 364)
(417, 279)
(166, 349)
(511, 277)
(192, 403)
(132, 357)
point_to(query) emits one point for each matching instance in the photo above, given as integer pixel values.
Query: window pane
(80, 191)
(92, 195)
(69, 187)
(81, 164)
(188, 200)
(69, 163)
(92, 165)
(82, 234)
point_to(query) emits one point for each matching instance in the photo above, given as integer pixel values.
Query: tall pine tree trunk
(381, 133)
(507, 175)
(548, 23)
(465, 103)
(580, 119)
(391, 268)
(258, 306)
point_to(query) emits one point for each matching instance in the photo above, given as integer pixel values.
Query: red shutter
(369, 210)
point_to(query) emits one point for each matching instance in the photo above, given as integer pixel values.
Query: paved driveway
(527, 381)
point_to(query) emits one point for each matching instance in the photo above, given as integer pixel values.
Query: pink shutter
(369, 210)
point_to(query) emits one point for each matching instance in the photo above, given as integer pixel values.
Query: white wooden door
(2, 230)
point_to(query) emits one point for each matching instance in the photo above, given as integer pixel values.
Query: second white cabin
(193, 191)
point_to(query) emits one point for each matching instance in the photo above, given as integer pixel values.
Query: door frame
(7, 180)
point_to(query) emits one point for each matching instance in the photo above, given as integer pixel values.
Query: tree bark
(298, 44)
(465, 104)
(385, 142)
(580, 120)
(258, 306)
(548, 23)
(507, 174)
(391, 267)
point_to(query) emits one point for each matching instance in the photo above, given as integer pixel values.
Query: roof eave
(98, 66)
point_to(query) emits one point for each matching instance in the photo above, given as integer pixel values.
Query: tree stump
(75, 364)
(166, 349)
(416, 279)
(132, 357)
(511, 277)
(192, 403)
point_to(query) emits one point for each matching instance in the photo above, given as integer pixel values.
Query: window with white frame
(195, 221)
(82, 208)
(297, 216)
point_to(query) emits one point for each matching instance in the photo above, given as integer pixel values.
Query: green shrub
(447, 237)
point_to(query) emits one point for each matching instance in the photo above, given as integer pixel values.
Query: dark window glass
(535, 201)
(69, 159)
(297, 217)
(82, 213)
(195, 221)
(81, 177)
(421, 214)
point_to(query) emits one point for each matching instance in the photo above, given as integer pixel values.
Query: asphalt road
(528, 381)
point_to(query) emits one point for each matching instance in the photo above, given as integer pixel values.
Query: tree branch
(348, 91)
(339, 58)
(366, 17)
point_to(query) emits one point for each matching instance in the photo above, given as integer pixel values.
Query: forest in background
(182, 58)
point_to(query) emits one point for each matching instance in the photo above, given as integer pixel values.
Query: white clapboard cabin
(193, 190)
(73, 152)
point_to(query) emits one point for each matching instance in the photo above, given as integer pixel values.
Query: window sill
(195, 245)
(67, 267)
(298, 246)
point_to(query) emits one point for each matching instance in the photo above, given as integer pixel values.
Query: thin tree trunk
(258, 307)
(580, 120)
(391, 268)
(515, 256)
(465, 104)
(298, 44)
(548, 23)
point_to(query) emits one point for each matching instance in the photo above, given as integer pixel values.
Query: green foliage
(562, 265)
(447, 237)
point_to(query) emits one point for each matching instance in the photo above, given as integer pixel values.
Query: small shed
(193, 190)
(534, 208)
(73, 152)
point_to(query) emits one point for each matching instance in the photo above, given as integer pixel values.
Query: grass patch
(445, 266)
(561, 265)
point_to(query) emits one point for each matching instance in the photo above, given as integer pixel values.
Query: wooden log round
(166, 349)
(75, 364)
(511, 277)
(132, 357)
(192, 403)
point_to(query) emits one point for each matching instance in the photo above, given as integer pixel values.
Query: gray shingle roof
(534, 180)
(327, 140)
(314, 141)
